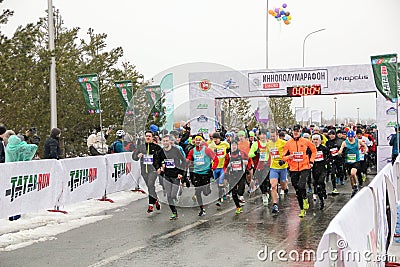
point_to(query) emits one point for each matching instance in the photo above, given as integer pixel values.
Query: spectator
(117, 146)
(3, 130)
(18, 150)
(7, 136)
(394, 143)
(52, 145)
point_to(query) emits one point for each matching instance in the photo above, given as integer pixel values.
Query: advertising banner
(384, 156)
(125, 91)
(123, 172)
(28, 186)
(384, 68)
(167, 89)
(90, 88)
(153, 94)
(351, 241)
(83, 178)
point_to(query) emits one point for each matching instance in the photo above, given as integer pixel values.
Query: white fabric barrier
(83, 178)
(350, 232)
(123, 173)
(363, 224)
(28, 186)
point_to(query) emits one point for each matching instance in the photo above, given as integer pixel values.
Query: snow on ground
(42, 226)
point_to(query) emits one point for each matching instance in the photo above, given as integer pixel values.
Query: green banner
(125, 91)
(90, 88)
(384, 68)
(153, 93)
(167, 88)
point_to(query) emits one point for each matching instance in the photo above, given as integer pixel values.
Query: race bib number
(274, 153)
(220, 153)
(169, 163)
(198, 159)
(351, 158)
(298, 156)
(147, 159)
(236, 165)
(362, 156)
(319, 156)
(334, 151)
(263, 156)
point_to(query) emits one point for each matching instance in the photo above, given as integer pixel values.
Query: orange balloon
(271, 12)
(287, 22)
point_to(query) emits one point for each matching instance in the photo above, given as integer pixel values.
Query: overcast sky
(160, 34)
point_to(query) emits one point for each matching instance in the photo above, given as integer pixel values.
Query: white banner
(316, 116)
(303, 114)
(352, 231)
(28, 186)
(202, 112)
(386, 119)
(123, 172)
(84, 178)
(384, 156)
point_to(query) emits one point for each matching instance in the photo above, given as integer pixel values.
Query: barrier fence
(362, 232)
(38, 185)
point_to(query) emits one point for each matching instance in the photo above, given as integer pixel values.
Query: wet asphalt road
(131, 237)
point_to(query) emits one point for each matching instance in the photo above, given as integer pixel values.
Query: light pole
(335, 99)
(358, 115)
(53, 94)
(266, 41)
(304, 42)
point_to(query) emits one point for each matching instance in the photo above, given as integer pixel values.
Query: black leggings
(236, 185)
(263, 179)
(299, 179)
(319, 183)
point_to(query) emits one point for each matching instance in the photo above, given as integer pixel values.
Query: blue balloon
(284, 17)
(282, 12)
(153, 128)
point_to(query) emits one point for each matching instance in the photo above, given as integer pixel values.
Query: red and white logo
(205, 85)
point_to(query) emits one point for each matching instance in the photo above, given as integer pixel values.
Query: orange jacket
(296, 155)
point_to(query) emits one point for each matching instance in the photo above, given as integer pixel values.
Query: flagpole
(101, 122)
(397, 105)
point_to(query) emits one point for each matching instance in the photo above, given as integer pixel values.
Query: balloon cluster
(280, 14)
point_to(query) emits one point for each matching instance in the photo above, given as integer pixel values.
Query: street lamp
(304, 42)
(358, 115)
(335, 99)
(266, 44)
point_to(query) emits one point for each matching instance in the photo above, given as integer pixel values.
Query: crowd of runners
(244, 162)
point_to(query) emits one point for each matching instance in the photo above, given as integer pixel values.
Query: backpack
(111, 148)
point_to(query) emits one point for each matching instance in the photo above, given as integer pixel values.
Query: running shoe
(194, 198)
(224, 197)
(309, 191)
(150, 209)
(306, 206)
(158, 206)
(219, 202)
(275, 209)
(335, 191)
(202, 212)
(341, 182)
(265, 199)
(173, 216)
(238, 210)
(286, 190)
(337, 180)
(302, 213)
(314, 196)
(364, 177)
(241, 199)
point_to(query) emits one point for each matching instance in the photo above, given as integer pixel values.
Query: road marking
(116, 257)
(183, 229)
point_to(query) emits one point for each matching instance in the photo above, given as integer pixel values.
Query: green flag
(384, 68)
(167, 88)
(90, 88)
(125, 91)
(153, 93)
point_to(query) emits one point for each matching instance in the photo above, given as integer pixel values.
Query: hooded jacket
(52, 146)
